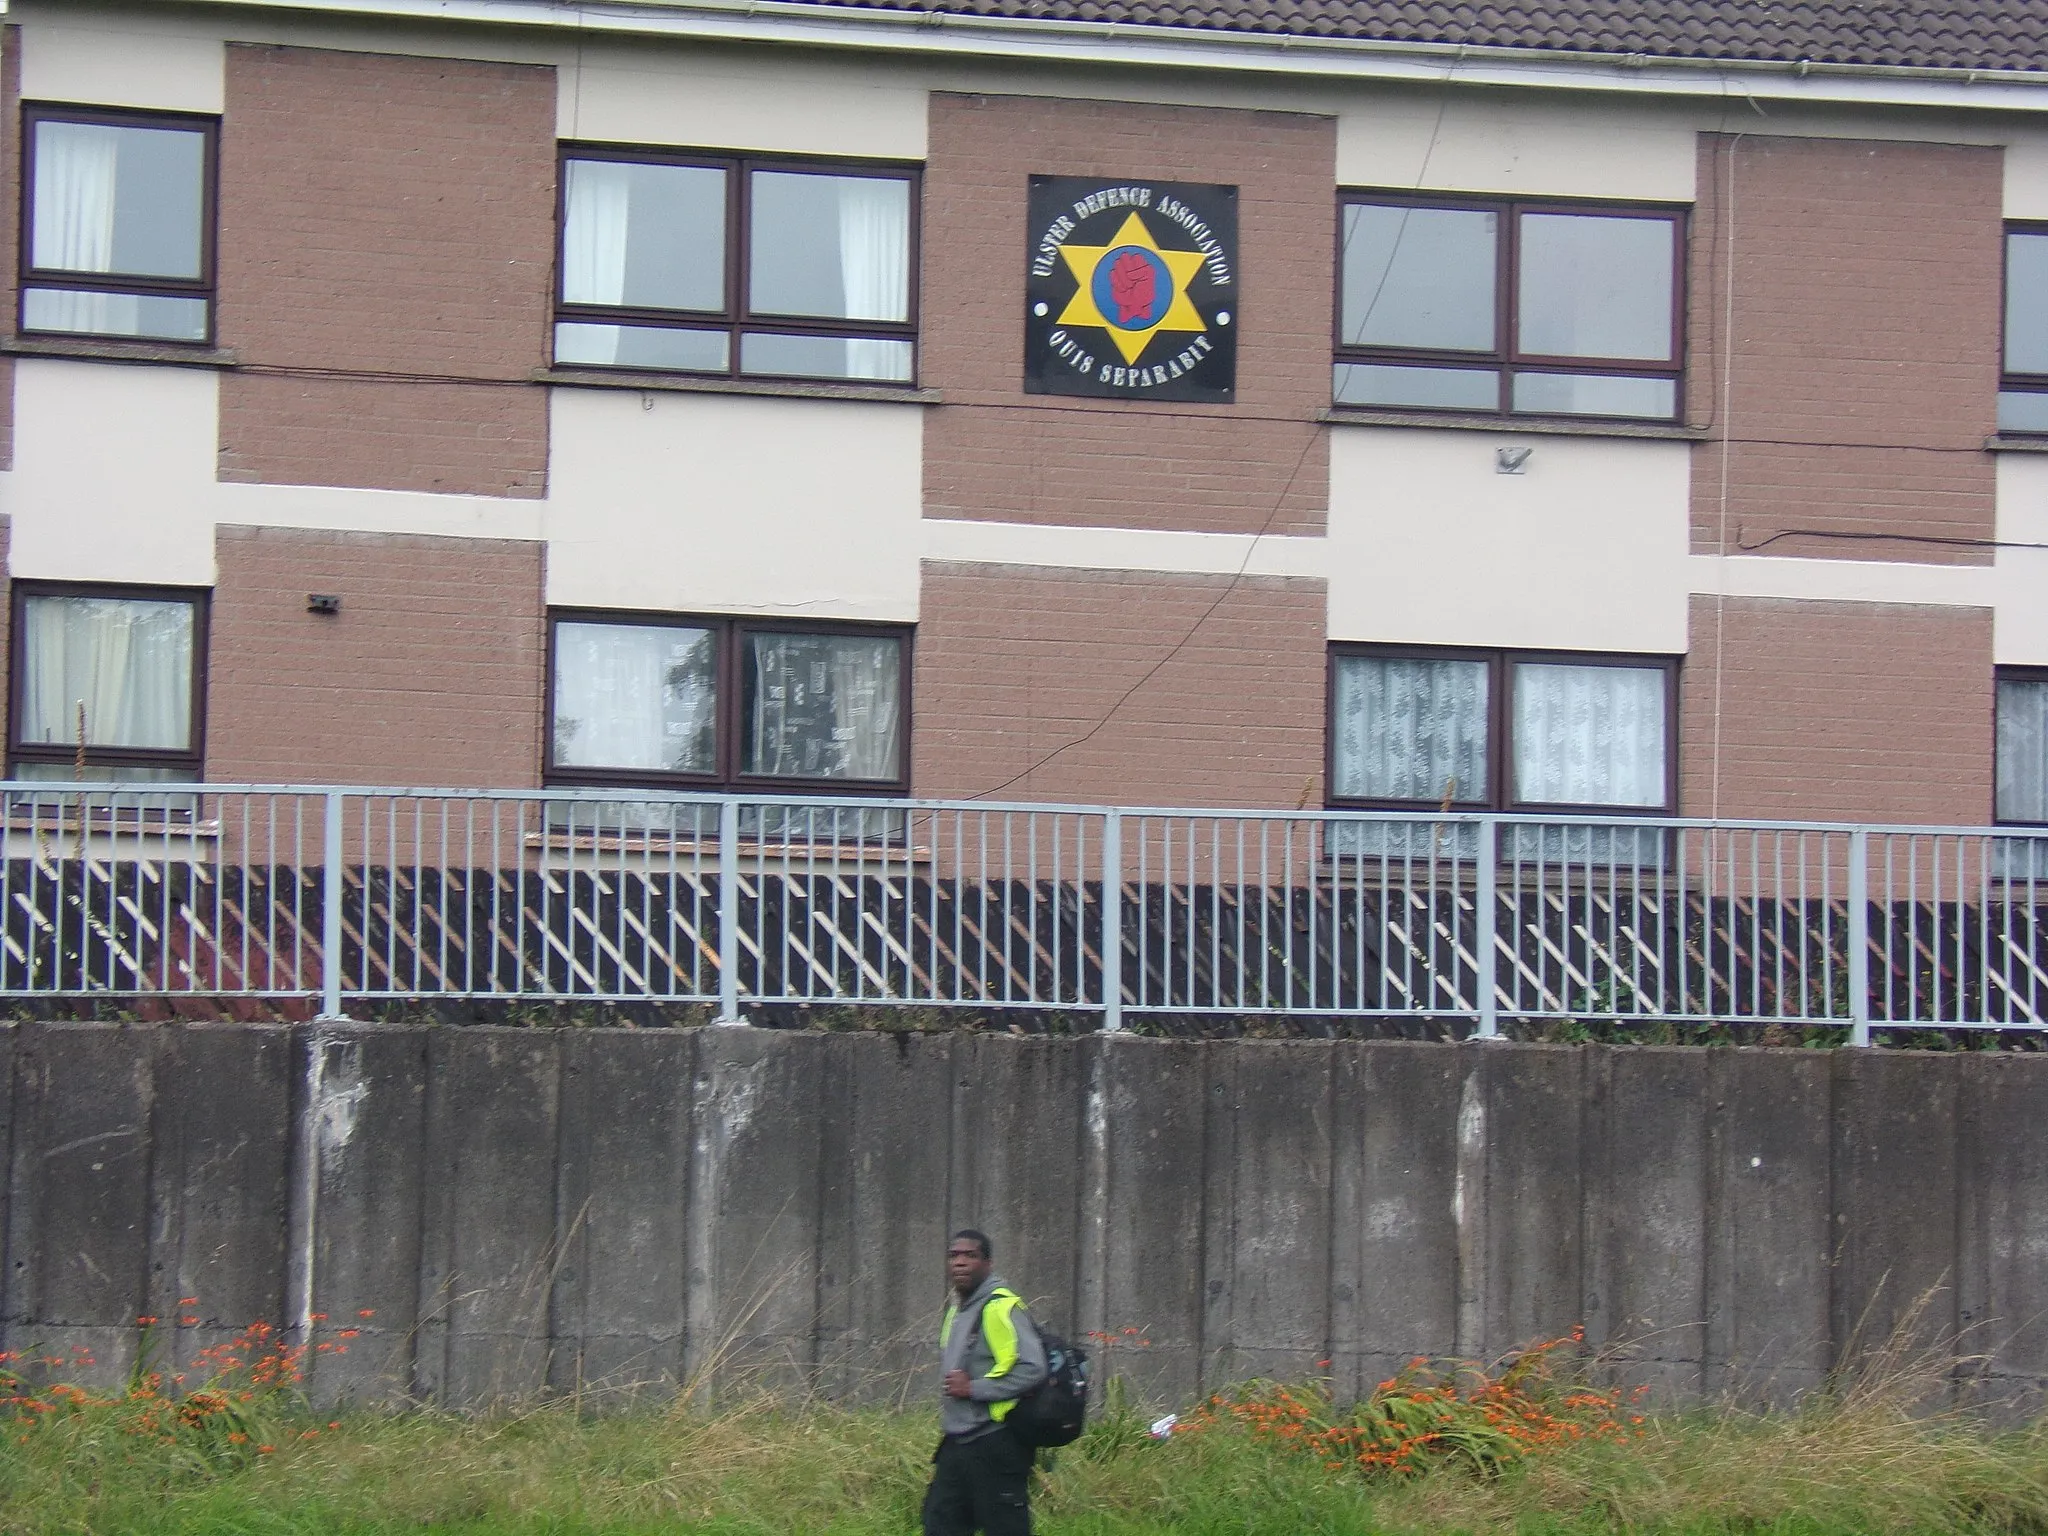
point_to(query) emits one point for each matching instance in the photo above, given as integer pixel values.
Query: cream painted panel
(1430, 545)
(2026, 175)
(2020, 628)
(731, 504)
(113, 473)
(127, 59)
(729, 99)
(1525, 146)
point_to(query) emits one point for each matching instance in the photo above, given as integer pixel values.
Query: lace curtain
(874, 266)
(1411, 729)
(128, 663)
(1589, 735)
(2022, 750)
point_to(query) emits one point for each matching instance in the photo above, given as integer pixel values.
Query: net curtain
(76, 169)
(129, 663)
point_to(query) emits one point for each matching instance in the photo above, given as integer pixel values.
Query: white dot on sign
(1756, 1162)
(1041, 310)
(1223, 317)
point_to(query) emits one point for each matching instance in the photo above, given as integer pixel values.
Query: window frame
(1506, 359)
(2009, 675)
(1502, 799)
(205, 287)
(193, 757)
(2009, 382)
(729, 633)
(737, 318)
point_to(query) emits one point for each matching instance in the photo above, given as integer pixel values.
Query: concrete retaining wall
(529, 1210)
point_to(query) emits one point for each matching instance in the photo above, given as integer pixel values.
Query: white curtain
(632, 696)
(2023, 750)
(1589, 735)
(76, 170)
(128, 663)
(874, 262)
(594, 244)
(1411, 728)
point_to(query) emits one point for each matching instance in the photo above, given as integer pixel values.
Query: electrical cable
(1951, 541)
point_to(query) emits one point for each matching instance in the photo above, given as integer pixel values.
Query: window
(689, 703)
(118, 225)
(2023, 390)
(761, 269)
(1514, 309)
(109, 675)
(2022, 772)
(1506, 731)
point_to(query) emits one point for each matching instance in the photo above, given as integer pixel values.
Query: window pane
(1470, 389)
(836, 246)
(2026, 303)
(823, 707)
(641, 346)
(115, 199)
(1582, 394)
(648, 236)
(1418, 277)
(825, 357)
(2022, 750)
(1595, 286)
(114, 314)
(126, 663)
(1411, 729)
(2022, 411)
(636, 696)
(1589, 735)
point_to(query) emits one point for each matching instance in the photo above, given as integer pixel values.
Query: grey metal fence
(345, 894)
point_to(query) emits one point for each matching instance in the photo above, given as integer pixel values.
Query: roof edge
(798, 23)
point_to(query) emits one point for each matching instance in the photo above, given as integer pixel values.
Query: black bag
(1054, 1411)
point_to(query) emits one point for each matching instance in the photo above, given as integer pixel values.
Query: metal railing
(345, 894)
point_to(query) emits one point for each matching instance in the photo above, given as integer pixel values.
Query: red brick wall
(1865, 336)
(387, 225)
(1015, 661)
(429, 675)
(1836, 711)
(994, 452)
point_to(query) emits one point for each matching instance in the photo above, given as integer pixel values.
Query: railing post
(331, 885)
(1859, 937)
(729, 912)
(1112, 919)
(1486, 912)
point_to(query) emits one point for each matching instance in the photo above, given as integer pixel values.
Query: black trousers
(980, 1485)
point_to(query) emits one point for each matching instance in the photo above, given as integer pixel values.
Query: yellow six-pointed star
(1121, 288)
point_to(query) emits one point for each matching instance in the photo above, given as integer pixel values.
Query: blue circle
(1125, 316)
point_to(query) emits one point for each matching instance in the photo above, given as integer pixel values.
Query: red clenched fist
(1134, 285)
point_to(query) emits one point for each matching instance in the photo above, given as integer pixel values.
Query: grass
(1867, 1459)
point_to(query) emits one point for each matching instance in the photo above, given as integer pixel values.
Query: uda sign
(1131, 290)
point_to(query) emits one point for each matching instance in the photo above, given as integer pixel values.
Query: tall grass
(1867, 1456)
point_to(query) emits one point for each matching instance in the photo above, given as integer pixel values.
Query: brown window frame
(2009, 382)
(192, 757)
(731, 632)
(204, 287)
(1505, 358)
(736, 319)
(1500, 662)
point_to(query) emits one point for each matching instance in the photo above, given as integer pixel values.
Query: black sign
(1132, 290)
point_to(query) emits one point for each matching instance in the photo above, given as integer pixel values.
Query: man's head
(969, 1258)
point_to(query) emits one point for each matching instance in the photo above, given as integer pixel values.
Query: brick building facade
(648, 406)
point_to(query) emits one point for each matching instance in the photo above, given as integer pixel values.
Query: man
(991, 1355)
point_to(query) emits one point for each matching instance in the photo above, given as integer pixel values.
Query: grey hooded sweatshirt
(965, 1347)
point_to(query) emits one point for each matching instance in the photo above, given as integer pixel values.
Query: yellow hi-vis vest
(1001, 1335)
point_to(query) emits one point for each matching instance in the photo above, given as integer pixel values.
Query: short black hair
(988, 1249)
